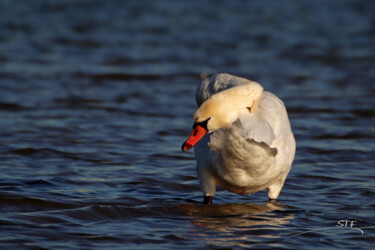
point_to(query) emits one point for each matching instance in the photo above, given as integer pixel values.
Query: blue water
(96, 98)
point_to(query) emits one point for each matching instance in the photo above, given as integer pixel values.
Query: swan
(241, 136)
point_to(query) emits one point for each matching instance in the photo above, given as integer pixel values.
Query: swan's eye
(249, 108)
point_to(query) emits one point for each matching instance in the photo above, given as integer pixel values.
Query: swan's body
(251, 147)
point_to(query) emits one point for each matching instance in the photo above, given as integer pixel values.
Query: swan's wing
(215, 84)
(256, 128)
(269, 121)
(236, 150)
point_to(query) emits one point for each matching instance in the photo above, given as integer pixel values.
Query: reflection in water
(237, 224)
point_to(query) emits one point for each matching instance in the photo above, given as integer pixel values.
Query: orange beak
(196, 135)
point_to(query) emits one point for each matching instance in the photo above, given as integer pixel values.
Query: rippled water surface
(97, 96)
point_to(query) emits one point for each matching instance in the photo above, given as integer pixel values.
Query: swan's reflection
(238, 224)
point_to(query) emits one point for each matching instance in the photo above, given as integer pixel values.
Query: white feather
(254, 153)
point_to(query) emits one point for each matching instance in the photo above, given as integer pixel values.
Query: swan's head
(221, 110)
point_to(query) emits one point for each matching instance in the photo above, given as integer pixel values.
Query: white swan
(251, 147)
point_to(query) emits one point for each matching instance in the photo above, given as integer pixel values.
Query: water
(97, 97)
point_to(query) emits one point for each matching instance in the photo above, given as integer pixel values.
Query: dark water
(96, 98)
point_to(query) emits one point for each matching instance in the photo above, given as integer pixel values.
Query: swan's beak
(196, 135)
